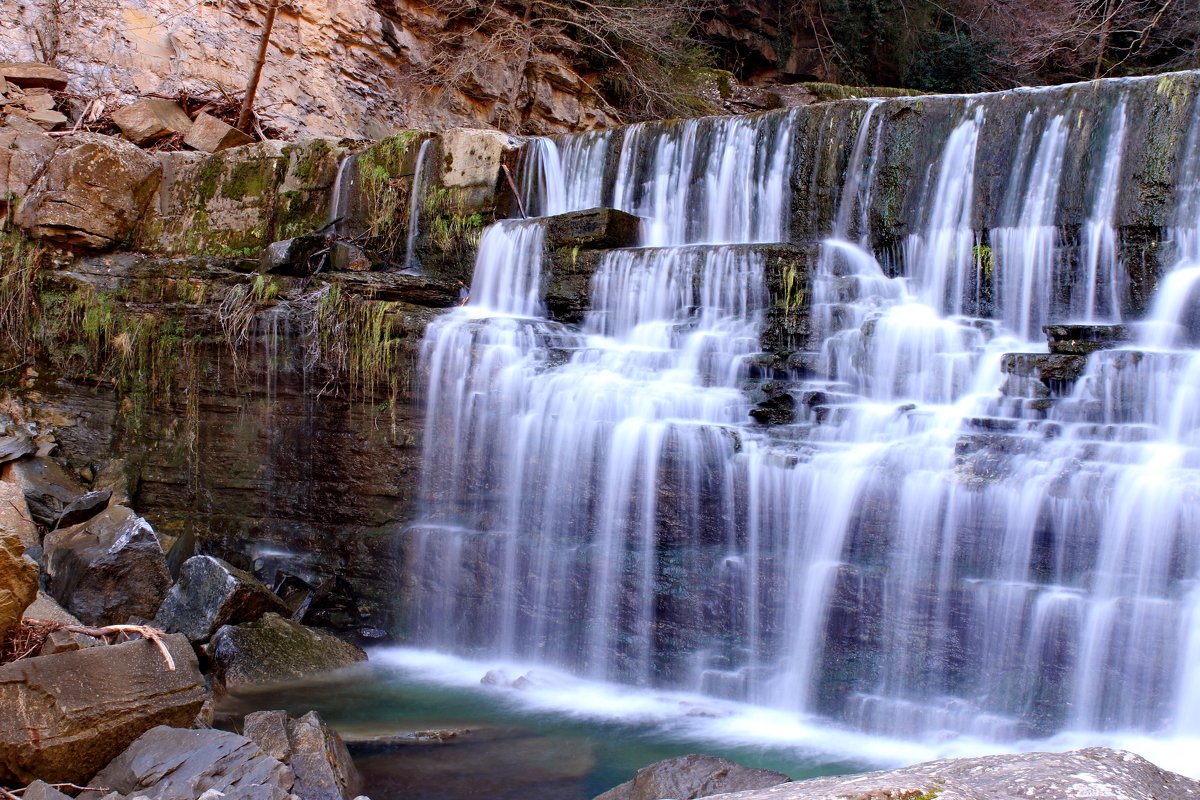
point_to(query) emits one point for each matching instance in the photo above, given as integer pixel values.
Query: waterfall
(941, 540)
(416, 201)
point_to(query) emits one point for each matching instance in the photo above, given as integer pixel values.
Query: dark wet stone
(594, 228)
(211, 593)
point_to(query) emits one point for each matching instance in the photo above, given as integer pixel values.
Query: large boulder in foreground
(107, 569)
(91, 194)
(172, 764)
(66, 715)
(686, 777)
(211, 593)
(1090, 774)
(311, 748)
(274, 650)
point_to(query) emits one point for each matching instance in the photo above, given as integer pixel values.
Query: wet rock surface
(210, 593)
(107, 569)
(1095, 773)
(67, 715)
(313, 750)
(273, 650)
(692, 776)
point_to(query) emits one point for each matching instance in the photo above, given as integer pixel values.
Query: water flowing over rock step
(568, 272)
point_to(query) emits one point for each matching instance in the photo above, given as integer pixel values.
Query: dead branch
(29, 636)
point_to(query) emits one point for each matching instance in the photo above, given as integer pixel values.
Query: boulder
(16, 445)
(30, 74)
(173, 764)
(83, 508)
(300, 256)
(144, 121)
(311, 748)
(47, 487)
(210, 135)
(692, 776)
(273, 649)
(107, 569)
(22, 156)
(15, 518)
(18, 581)
(1089, 774)
(211, 593)
(67, 715)
(66, 642)
(91, 194)
(344, 256)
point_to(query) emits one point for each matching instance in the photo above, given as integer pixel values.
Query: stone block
(153, 118)
(67, 715)
(210, 135)
(345, 257)
(311, 748)
(30, 74)
(48, 119)
(594, 228)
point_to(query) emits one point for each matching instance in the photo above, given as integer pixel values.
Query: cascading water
(933, 545)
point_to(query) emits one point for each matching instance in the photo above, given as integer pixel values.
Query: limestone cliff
(335, 67)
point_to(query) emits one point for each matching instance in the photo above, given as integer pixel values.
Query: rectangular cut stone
(28, 74)
(210, 135)
(147, 120)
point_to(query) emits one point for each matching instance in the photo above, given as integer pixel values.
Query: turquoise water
(505, 743)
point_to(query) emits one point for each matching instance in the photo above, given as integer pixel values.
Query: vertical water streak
(416, 201)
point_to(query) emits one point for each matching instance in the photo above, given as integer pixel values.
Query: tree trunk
(243, 119)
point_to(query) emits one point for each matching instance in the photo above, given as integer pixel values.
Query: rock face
(687, 777)
(93, 192)
(172, 764)
(69, 714)
(273, 649)
(47, 487)
(341, 68)
(211, 593)
(1089, 774)
(107, 569)
(311, 748)
(18, 581)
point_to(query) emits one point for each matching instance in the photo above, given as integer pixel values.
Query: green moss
(250, 178)
(309, 160)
